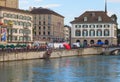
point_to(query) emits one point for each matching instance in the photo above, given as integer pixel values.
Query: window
(49, 17)
(39, 28)
(92, 26)
(20, 17)
(85, 18)
(44, 28)
(77, 33)
(14, 16)
(43, 22)
(99, 32)
(92, 33)
(14, 30)
(107, 26)
(99, 18)
(35, 33)
(99, 26)
(5, 15)
(20, 38)
(24, 17)
(14, 38)
(39, 17)
(75, 26)
(106, 32)
(24, 24)
(84, 26)
(43, 33)
(43, 17)
(48, 33)
(6, 21)
(28, 18)
(20, 31)
(79, 26)
(28, 24)
(48, 27)
(85, 33)
(39, 33)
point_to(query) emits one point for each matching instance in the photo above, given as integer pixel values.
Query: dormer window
(99, 18)
(93, 14)
(85, 18)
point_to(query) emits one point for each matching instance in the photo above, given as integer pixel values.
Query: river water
(67, 69)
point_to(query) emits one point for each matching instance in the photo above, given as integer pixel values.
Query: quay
(14, 56)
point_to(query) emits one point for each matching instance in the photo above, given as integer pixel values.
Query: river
(67, 69)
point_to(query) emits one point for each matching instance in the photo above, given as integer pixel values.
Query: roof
(14, 9)
(92, 17)
(41, 10)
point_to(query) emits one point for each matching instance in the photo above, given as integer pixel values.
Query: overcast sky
(74, 8)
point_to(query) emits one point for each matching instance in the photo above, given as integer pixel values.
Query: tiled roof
(44, 11)
(92, 17)
(13, 9)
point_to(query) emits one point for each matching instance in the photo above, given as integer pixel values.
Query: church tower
(106, 6)
(10, 3)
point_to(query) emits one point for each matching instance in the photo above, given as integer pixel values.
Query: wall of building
(18, 21)
(5, 56)
(10, 3)
(52, 23)
(103, 27)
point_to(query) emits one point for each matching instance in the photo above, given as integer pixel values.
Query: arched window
(99, 32)
(85, 33)
(78, 41)
(92, 42)
(92, 33)
(85, 42)
(106, 32)
(77, 33)
(106, 42)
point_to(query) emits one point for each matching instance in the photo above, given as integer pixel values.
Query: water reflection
(72, 69)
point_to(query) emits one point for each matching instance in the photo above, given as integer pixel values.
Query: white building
(94, 26)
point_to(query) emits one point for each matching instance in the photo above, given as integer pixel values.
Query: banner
(3, 34)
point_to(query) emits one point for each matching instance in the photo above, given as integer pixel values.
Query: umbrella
(67, 46)
(10, 46)
(100, 43)
(2, 46)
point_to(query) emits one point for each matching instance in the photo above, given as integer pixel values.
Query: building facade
(94, 26)
(48, 25)
(67, 33)
(9, 3)
(19, 25)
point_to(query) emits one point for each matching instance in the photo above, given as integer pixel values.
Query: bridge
(111, 51)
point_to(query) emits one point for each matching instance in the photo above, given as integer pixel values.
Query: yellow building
(9, 3)
(19, 29)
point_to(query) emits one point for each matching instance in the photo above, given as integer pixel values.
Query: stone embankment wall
(55, 54)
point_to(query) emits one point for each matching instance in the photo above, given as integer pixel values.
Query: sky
(73, 8)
